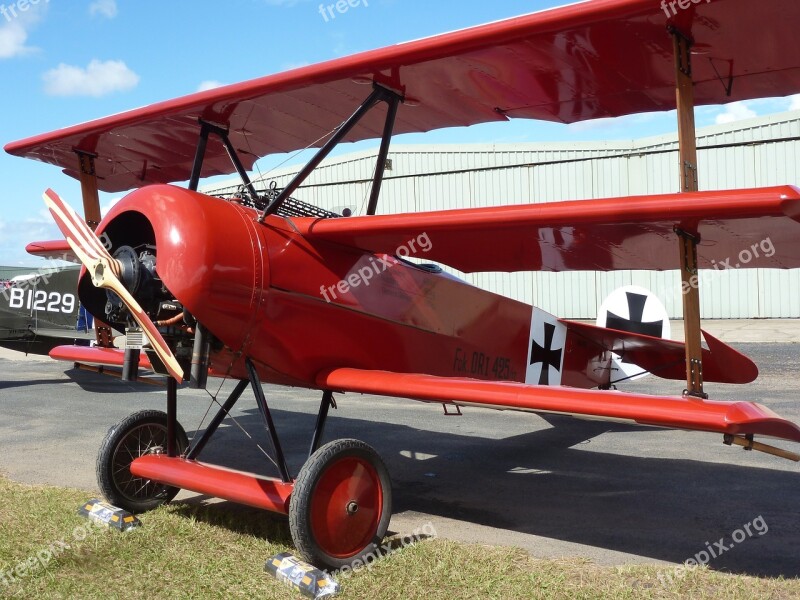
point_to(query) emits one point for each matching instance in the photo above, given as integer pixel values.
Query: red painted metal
(210, 255)
(58, 249)
(244, 488)
(666, 358)
(272, 292)
(673, 412)
(340, 533)
(112, 357)
(595, 59)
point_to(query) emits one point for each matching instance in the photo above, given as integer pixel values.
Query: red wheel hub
(346, 507)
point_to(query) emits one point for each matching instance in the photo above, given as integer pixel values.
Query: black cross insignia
(547, 355)
(636, 323)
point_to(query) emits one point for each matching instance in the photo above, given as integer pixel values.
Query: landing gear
(341, 504)
(139, 434)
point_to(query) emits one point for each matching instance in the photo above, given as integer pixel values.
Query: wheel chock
(303, 577)
(105, 515)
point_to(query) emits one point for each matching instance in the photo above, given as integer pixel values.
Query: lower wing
(106, 357)
(729, 418)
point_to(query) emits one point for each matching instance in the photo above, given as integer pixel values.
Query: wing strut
(198, 377)
(91, 211)
(687, 240)
(379, 94)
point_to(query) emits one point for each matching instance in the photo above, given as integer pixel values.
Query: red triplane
(265, 288)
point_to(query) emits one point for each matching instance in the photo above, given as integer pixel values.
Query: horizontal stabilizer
(667, 358)
(734, 418)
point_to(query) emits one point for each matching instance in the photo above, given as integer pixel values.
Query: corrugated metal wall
(759, 152)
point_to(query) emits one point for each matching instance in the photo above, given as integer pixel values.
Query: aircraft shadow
(546, 483)
(92, 382)
(6, 385)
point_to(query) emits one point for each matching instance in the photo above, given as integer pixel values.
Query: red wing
(604, 58)
(107, 357)
(667, 358)
(591, 235)
(58, 249)
(736, 418)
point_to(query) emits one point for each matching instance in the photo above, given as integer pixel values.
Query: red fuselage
(298, 308)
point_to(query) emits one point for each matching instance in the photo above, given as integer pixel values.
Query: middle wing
(759, 225)
(734, 418)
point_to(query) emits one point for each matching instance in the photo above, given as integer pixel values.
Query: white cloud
(795, 105)
(736, 111)
(98, 79)
(611, 123)
(12, 40)
(15, 25)
(108, 206)
(18, 233)
(104, 8)
(209, 84)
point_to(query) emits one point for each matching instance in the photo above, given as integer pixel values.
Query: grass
(218, 551)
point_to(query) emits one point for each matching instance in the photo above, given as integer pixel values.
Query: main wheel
(144, 432)
(340, 508)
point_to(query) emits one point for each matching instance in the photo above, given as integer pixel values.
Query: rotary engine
(136, 269)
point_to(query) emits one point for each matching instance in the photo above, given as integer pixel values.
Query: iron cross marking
(636, 323)
(547, 355)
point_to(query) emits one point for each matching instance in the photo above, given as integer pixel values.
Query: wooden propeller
(105, 271)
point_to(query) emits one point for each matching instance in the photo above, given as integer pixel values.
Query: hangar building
(758, 152)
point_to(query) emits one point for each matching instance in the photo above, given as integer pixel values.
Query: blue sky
(67, 61)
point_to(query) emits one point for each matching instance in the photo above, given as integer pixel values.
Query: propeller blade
(105, 270)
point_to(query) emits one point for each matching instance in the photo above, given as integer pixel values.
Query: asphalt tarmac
(611, 493)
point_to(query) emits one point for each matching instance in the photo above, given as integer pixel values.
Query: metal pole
(380, 166)
(376, 96)
(255, 383)
(199, 156)
(172, 417)
(322, 417)
(223, 412)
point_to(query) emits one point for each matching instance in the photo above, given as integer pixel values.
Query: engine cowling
(203, 253)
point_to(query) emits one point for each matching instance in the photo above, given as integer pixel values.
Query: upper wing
(734, 418)
(602, 58)
(739, 228)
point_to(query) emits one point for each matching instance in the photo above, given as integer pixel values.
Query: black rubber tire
(305, 488)
(120, 487)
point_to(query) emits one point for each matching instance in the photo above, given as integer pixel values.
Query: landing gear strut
(339, 506)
